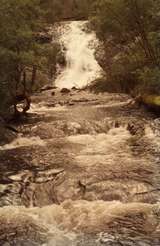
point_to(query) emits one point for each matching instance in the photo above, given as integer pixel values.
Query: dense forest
(129, 31)
(24, 49)
(129, 51)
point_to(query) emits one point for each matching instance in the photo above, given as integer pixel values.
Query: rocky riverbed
(83, 171)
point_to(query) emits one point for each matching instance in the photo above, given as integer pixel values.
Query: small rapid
(71, 220)
(89, 180)
(21, 141)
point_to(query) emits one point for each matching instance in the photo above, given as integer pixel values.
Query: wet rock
(152, 102)
(117, 124)
(65, 91)
(62, 103)
(7, 133)
(50, 105)
(55, 87)
(74, 88)
(71, 104)
(47, 88)
(136, 129)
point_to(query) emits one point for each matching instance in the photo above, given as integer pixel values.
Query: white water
(82, 67)
(23, 142)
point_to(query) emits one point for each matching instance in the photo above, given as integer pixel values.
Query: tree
(129, 32)
(22, 52)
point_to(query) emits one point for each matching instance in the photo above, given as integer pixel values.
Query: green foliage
(66, 9)
(22, 53)
(130, 34)
(150, 79)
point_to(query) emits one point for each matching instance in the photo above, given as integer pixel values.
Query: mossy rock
(152, 101)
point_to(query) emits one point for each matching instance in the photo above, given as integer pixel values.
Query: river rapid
(85, 170)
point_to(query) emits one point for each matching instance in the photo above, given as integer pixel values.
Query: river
(85, 169)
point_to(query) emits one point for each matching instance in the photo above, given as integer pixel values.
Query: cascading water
(86, 167)
(82, 67)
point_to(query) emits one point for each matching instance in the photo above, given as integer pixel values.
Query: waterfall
(82, 67)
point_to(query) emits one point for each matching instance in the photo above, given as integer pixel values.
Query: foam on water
(23, 142)
(101, 148)
(82, 67)
(41, 109)
(61, 224)
(80, 216)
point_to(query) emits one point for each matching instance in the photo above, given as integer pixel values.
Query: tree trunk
(34, 74)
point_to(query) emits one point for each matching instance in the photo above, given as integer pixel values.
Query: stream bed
(84, 171)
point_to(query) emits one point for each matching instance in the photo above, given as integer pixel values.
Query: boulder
(65, 91)
(71, 104)
(152, 102)
(74, 88)
(136, 128)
